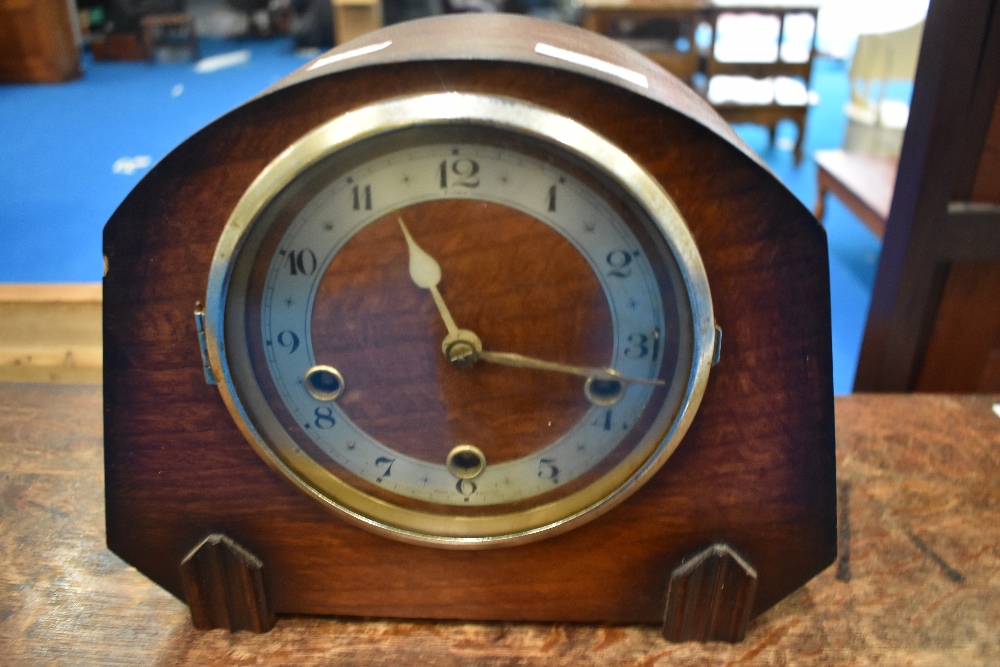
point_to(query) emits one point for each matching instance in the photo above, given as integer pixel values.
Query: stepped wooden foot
(224, 587)
(710, 597)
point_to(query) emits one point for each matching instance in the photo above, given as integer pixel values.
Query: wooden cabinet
(36, 42)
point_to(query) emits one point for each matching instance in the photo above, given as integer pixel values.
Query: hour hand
(426, 273)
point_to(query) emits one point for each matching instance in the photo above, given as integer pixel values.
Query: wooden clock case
(749, 495)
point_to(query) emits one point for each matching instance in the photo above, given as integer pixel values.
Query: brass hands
(426, 273)
(463, 347)
(521, 361)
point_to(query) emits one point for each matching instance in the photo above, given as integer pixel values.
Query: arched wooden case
(747, 501)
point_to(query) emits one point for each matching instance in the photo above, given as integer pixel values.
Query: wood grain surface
(916, 581)
(756, 467)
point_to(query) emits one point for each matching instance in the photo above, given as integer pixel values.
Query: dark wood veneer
(756, 470)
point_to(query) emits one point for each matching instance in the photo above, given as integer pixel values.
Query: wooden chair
(863, 174)
(863, 182)
(875, 122)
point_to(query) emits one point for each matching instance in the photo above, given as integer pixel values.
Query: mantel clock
(433, 328)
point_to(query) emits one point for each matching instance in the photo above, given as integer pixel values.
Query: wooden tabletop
(917, 581)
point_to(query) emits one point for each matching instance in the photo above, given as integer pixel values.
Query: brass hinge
(199, 322)
(717, 354)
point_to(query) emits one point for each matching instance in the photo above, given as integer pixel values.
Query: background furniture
(663, 30)
(863, 173)
(875, 122)
(863, 182)
(170, 37)
(353, 18)
(763, 80)
(50, 332)
(37, 42)
(917, 577)
(146, 29)
(934, 320)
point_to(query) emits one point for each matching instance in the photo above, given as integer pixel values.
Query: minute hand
(521, 361)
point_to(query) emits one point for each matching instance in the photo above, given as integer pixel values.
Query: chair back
(876, 124)
(888, 56)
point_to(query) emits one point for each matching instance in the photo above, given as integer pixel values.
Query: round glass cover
(460, 320)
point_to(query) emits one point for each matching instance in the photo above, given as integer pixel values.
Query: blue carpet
(61, 145)
(61, 142)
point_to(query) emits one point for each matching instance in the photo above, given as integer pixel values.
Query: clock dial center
(559, 305)
(462, 348)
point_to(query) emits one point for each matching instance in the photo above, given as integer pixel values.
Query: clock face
(460, 320)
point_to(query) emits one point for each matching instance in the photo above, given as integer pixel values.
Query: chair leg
(820, 207)
(799, 140)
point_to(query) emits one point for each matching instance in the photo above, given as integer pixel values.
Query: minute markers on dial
(526, 192)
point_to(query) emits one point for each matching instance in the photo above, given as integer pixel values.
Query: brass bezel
(422, 527)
